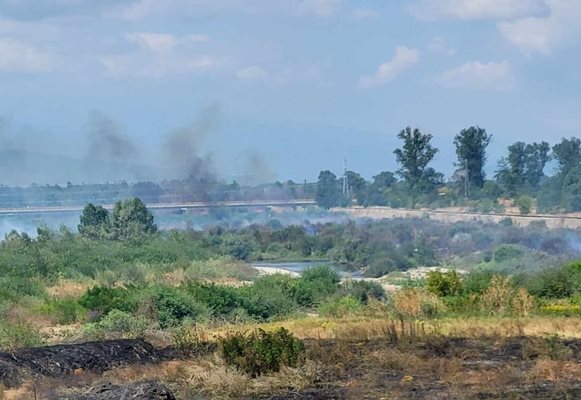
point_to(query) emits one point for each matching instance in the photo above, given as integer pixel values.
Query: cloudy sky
(293, 86)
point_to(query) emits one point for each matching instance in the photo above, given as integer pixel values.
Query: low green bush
(260, 352)
(117, 323)
(18, 336)
(444, 284)
(340, 307)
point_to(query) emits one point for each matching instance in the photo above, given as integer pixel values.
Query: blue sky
(290, 86)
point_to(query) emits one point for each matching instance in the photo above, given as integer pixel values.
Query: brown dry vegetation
(377, 359)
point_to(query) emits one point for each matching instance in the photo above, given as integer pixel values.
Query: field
(347, 358)
(121, 310)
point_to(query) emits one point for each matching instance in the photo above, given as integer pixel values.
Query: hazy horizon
(259, 92)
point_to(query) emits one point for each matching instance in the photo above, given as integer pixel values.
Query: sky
(281, 89)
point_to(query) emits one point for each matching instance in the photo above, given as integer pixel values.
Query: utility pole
(346, 191)
(466, 180)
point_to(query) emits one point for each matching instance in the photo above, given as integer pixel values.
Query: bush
(340, 307)
(507, 252)
(102, 300)
(417, 302)
(65, 311)
(172, 307)
(497, 298)
(525, 204)
(18, 336)
(117, 323)
(261, 352)
(444, 284)
(316, 284)
(185, 338)
(270, 296)
(363, 291)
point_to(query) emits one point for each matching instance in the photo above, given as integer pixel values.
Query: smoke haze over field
(105, 152)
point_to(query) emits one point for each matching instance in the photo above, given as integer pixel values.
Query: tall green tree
(378, 189)
(471, 147)
(131, 219)
(94, 222)
(568, 154)
(357, 187)
(414, 158)
(328, 194)
(523, 169)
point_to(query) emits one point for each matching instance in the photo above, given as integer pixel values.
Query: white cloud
(17, 56)
(543, 34)
(404, 58)
(480, 76)
(476, 9)
(159, 54)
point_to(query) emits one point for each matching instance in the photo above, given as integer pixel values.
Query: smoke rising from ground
(105, 152)
(181, 153)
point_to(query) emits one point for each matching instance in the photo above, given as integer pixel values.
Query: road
(167, 206)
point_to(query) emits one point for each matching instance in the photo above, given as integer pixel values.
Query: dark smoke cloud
(107, 142)
(182, 155)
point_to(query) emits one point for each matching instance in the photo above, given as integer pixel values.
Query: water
(299, 267)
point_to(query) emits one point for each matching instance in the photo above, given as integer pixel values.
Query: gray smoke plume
(182, 155)
(107, 142)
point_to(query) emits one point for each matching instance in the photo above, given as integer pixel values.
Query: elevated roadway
(167, 206)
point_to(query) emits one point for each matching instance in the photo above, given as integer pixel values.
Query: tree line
(520, 176)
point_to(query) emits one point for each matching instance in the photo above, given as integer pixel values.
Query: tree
(568, 154)
(523, 169)
(414, 157)
(471, 147)
(357, 187)
(377, 191)
(328, 194)
(537, 157)
(131, 219)
(94, 222)
(571, 190)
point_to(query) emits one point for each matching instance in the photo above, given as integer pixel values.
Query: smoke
(182, 155)
(103, 152)
(256, 169)
(106, 142)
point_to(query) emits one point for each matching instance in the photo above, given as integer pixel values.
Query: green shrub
(363, 291)
(340, 307)
(102, 300)
(221, 300)
(185, 338)
(260, 352)
(507, 252)
(172, 307)
(444, 284)
(316, 284)
(525, 204)
(269, 297)
(117, 323)
(65, 311)
(18, 336)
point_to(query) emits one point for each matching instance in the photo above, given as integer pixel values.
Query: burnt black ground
(63, 360)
